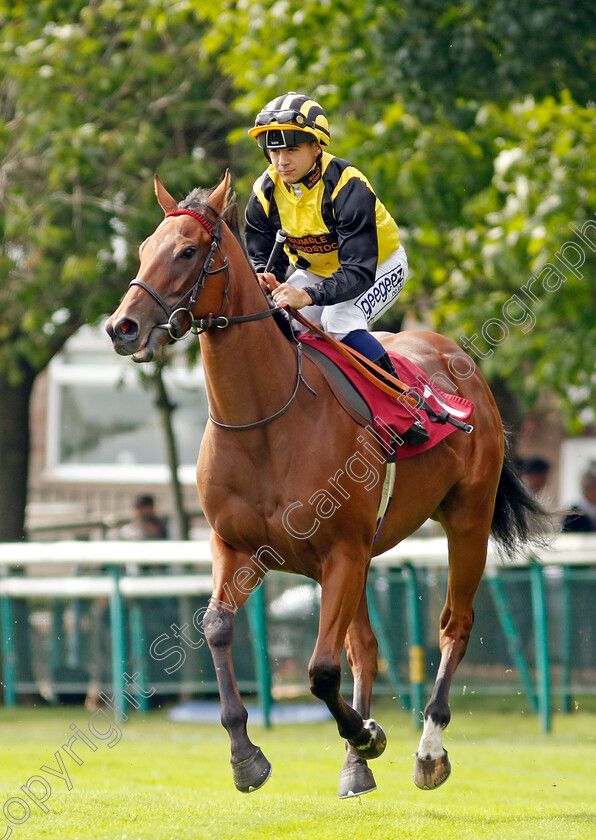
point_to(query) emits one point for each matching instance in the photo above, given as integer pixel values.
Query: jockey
(343, 246)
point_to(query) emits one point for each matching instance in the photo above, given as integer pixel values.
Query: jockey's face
(293, 163)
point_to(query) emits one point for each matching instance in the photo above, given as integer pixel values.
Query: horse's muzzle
(124, 335)
(128, 339)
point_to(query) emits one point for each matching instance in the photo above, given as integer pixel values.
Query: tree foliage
(94, 98)
(474, 123)
(542, 192)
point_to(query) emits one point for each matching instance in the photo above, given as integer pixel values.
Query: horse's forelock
(198, 200)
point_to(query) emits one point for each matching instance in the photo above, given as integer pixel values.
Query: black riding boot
(416, 435)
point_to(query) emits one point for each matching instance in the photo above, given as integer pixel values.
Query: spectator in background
(581, 518)
(535, 472)
(146, 524)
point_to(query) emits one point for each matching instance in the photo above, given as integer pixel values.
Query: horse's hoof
(252, 773)
(374, 746)
(356, 780)
(432, 772)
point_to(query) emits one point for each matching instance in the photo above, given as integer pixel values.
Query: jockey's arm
(286, 295)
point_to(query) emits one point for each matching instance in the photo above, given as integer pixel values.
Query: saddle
(384, 412)
(383, 407)
(344, 391)
(395, 405)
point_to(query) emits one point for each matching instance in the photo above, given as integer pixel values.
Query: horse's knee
(324, 678)
(218, 628)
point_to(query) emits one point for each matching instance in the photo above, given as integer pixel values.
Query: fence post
(56, 657)
(416, 649)
(565, 641)
(118, 634)
(385, 651)
(541, 642)
(137, 653)
(495, 585)
(257, 617)
(8, 652)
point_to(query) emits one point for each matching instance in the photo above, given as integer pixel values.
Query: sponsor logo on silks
(385, 289)
(321, 244)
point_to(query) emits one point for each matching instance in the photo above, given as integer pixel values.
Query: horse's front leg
(342, 591)
(250, 768)
(356, 776)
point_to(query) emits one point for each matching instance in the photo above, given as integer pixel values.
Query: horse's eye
(188, 253)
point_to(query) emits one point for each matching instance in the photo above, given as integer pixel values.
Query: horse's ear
(219, 197)
(166, 201)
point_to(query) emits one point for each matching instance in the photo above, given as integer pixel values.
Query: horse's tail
(519, 519)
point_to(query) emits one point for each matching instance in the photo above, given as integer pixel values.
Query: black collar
(312, 177)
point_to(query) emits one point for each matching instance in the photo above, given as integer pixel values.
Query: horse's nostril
(127, 329)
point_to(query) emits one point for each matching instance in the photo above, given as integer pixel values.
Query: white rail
(568, 549)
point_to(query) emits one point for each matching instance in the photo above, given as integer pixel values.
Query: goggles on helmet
(283, 118)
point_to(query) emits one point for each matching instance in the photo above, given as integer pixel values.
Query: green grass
(166, 781)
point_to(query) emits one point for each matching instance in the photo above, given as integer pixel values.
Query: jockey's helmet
(290, 120)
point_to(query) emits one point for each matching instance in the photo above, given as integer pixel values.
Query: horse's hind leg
(250, 768)
(342, 587)
(356, 777)
(467, 558)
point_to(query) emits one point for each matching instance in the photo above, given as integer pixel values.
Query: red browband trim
(207, 225)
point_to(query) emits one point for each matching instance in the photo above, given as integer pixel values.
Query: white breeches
(341, 318)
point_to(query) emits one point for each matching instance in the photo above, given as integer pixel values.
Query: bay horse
(277, 437)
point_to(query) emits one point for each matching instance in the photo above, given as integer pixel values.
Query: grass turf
(167, 781)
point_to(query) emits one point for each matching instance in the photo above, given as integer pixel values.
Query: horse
(276, 438)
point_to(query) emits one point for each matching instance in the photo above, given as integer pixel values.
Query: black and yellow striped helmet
(290, 120)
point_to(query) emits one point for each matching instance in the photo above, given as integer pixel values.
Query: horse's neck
(250, 367)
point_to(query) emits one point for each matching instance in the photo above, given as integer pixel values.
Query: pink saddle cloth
(391, 416)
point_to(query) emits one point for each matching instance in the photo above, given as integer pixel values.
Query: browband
(206, 224)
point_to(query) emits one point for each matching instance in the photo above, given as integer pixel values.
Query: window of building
(103, 421)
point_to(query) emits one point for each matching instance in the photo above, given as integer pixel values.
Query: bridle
(173, 325)
(199, 325)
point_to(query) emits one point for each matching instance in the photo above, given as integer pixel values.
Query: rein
(258, 423)
(388, 383)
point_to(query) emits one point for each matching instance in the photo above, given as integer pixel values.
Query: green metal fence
(77, 616)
